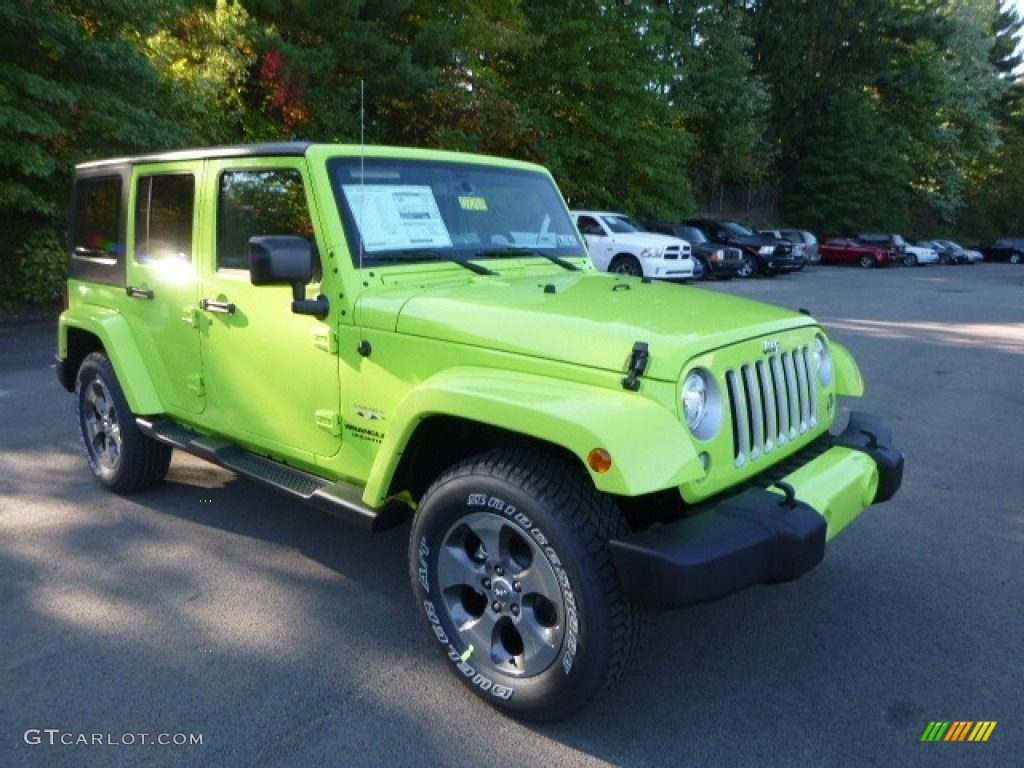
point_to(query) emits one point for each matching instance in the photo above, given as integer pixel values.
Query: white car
(619, 244)
(915, 256)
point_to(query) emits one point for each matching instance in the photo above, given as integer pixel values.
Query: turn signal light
(599, 460)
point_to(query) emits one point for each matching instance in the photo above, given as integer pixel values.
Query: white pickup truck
(619, 244)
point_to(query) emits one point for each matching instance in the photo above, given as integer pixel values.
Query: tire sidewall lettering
(475, 677)
(425, 567)
(511, 512)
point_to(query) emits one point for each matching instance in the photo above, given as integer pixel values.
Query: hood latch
(637, 366)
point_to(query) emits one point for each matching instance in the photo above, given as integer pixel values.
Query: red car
(841, 250)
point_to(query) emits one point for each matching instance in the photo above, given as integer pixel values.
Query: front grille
(772, 401)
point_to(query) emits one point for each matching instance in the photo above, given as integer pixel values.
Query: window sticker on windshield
(467, 203)
(395, 216)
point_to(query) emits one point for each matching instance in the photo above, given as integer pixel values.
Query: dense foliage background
(835, 116)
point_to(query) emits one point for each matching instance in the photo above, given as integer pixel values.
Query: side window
(164, 207)
(259, 202)
(589, 226)
(97, 219)
(96, 237)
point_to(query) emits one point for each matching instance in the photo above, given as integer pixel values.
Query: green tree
(346, 69)
(723, 103)
(838, 161)
(73, 85)
(207, 59)
(903, 90)
(589, 90)
(474, 105)
(942, 88)
(996, 194)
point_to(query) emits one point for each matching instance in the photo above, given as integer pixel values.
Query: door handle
(139, 293)
(223, 307)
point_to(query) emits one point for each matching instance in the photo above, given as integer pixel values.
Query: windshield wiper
(480, 269)
(529, 252)
(418, 255)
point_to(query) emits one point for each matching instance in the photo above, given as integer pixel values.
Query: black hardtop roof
(276, 149)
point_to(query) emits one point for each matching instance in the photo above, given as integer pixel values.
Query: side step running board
(341, 499)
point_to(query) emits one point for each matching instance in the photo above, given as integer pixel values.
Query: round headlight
(821, 359)
(695, 399)
(701, 401)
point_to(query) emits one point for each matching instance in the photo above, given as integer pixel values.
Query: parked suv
(620, 245)
(804, 242)
(416, 337)
(710, 260)
(894, 242)
(764, 254)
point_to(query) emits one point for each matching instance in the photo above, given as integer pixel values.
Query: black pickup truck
(763, 254)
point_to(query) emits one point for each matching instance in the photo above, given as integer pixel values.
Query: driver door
(271, 375)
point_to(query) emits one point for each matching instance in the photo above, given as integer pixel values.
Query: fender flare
(119, 345)
(651, 450)
(849, 381)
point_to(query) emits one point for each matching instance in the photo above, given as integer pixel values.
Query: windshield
(692, 235)
(622, 225)
(735, 228)
(405, 211)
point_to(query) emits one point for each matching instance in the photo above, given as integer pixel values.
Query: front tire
(866, 261)
(910, 260)
(626, 265)
(1015, 258)
(120, 456)
(511, 567)
(748, 268)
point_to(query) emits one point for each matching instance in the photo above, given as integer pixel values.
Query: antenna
(362, 163)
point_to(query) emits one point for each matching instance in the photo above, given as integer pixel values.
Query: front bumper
(726, 268)
(660, 269)
(760, 536)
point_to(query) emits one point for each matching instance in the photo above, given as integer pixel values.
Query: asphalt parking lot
(212, 611)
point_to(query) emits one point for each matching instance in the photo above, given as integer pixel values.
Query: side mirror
(286, 260)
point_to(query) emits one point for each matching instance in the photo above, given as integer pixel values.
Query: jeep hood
(589, 319)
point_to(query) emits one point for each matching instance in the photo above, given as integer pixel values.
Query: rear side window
(98, 219)
(259, 202)
(97, 229)
(164, 206)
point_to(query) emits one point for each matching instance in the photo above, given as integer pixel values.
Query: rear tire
(748, 268)
(119, 454)
(510, 565)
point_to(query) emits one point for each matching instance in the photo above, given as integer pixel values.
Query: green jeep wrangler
(394, 334)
